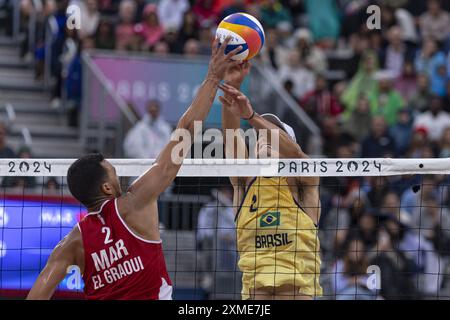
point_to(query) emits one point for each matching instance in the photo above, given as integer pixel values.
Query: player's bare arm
(142, 195)
(308, 187)
(68, 252)
(138, 206)
(239, 105)
(235, 148)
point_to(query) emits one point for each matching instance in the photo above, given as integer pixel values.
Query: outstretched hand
(236, 102)
(236, 74)
(221, 62)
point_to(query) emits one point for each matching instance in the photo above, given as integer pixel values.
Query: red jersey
(120, 265)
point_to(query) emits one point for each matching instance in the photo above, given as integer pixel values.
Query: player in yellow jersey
(276, 218)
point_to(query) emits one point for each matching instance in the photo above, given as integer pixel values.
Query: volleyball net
(384, 229)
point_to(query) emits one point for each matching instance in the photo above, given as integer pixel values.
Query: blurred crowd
(390, 97)
(373, 93)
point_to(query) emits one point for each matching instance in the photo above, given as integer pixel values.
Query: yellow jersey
(277, 241)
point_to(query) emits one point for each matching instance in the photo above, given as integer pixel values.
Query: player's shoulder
(71, 242)
(75, 234)
(125, 204)
(240, 182)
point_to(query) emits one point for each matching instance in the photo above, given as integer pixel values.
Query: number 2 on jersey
(252, 206)
(108, 234)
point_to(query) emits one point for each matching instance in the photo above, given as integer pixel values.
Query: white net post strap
(242, 168)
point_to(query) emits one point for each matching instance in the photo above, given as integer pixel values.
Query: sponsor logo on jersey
(269, 219)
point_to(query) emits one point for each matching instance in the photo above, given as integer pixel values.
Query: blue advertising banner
(29, 230)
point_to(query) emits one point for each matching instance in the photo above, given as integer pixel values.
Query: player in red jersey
(117, 245)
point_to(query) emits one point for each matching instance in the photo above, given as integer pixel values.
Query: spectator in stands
(140, 8)
(379, 143)
(324, 101)
(171, 12)
(314, 57)
(70, 50)
(310, 107)
(358, 124)
(274, 14)
(397, 281)
(191, 48)
(149, 30)
(204, 10)
(171, 38)
(206, 36)
(430, 215)
(440, 80)
(363, 83)
(368, 228)
(161, 48)
(444, 144)
(358, 206)
(90, 18)
(147, 138)
(125, 35)
(406, 83)
(420, 251)
(390, 206)
(48, 9)
(105, 37)
(385, 100)
(272, 52)
(52, 186)
(354, 15)
(334, 139)
(388, 19)
(375, 189)
(405, 20)
(421, 97)
(108, 7)
(446, 100)
(323, 21)
(419, 142)
(401, 132)
(435, 121)
(216, 236)
(303, 78)
(5, 151)
(432, 62)
(394, 55)
(434, 222)
(21, 183)
(73, 83)
(413, 197)
(56, 50)
(189, 30)
(435, 23)
(233, 7)
(351, 276)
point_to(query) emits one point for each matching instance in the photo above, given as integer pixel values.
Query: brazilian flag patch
(270, 219)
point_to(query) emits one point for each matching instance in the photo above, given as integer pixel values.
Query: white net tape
(242, 168)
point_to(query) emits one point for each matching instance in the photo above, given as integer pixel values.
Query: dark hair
(85, 177)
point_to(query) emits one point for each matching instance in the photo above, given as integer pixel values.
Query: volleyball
(246, 31)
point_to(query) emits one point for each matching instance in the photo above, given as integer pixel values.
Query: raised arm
(150, 185)
(63, 256)
(235, 147)
(239, 105)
